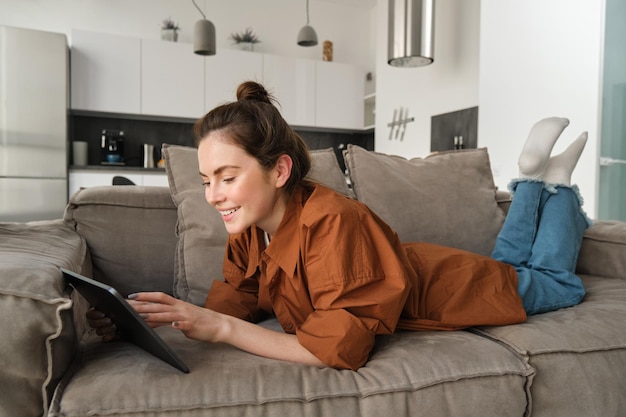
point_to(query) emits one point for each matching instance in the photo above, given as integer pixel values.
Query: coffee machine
(112, 147)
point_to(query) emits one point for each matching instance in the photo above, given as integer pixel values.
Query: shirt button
(289, 326)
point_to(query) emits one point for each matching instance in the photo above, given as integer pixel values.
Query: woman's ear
(283, 170)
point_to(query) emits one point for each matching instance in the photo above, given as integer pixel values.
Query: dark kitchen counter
(115, 168)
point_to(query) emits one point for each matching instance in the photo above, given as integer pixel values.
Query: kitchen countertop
(115, 168)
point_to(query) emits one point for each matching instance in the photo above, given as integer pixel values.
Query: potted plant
(245, 39)
(169, 30)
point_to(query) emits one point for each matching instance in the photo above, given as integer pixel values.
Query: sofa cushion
(410, 373)
(38, 332)
(447, 198)
(578, 352)
(200, 229)
(130, 235)
(603, 249)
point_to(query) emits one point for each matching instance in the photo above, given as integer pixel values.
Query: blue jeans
(541, 238)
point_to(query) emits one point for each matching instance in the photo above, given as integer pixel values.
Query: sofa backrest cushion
(448, 198)
(201, 232)
(130, 235)
(200, 229)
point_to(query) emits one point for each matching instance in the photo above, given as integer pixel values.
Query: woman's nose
(213, 195)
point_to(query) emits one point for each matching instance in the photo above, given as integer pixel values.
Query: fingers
(157, 309)
(160, 309)
(153, 307)
(153, 297)
(183, 326)
(102, 324)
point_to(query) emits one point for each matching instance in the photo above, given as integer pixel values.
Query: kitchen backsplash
(137, 132)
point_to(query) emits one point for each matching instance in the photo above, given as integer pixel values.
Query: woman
(334, 274)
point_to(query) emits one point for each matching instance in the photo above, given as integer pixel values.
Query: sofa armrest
(41, 324)
(603, 251)
(504, 198)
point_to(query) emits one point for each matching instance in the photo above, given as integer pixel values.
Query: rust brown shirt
(336, 275)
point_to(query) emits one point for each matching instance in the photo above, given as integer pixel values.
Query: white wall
(538, 59)
(276, 22)
(519, 61)
(450, 83)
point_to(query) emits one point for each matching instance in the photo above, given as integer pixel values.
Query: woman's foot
(536, 152)
(560, 167)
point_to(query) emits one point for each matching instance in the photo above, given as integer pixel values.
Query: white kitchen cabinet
(105, 72)
(154, 179)
(120, 74)
(292, 82)
(172, 80)
(92, 178)
(340, 89)
(225, 71)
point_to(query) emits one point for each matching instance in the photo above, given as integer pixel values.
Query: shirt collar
(285, 245)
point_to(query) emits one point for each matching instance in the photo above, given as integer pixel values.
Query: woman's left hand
(160, 309)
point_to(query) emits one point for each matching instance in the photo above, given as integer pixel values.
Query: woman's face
(238, 187)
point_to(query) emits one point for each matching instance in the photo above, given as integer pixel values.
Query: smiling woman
(336, 275)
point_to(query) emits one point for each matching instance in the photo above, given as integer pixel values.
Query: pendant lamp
(203, 35)
(411, 28)
(307, 35)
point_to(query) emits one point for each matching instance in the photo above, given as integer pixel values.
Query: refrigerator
(34, 101)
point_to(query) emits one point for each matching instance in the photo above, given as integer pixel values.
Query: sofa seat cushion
(448, 198)
(579, 353)
(35, 307)
(410, 373)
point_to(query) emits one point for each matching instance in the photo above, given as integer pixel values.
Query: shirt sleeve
(357, 275)
(237, 295)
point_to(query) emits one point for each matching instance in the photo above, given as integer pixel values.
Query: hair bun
(253, 91)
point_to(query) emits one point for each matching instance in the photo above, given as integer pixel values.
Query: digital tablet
(130, 325)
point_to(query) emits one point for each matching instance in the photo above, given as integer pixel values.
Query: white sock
(538, 146)
(560, 167)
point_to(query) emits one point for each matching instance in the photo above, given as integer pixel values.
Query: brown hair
(254, 123)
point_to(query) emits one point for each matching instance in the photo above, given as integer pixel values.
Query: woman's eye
(230, 179)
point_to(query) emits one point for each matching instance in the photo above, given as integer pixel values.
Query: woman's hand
(159, 309)
(199, 323)
(103, 325)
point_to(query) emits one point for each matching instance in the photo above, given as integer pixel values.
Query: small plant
(170, 24)
(245, 36)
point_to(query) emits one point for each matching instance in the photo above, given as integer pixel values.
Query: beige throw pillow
(446, 198)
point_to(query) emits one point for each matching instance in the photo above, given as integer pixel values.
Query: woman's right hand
(103, 325)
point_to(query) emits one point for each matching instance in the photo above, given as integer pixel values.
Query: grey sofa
(570, 362)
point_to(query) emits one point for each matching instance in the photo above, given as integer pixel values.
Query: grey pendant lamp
(307, 35)
(203, 35)
(411, 28)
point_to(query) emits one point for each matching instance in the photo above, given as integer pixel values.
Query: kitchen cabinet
(93, 178)
(119, 74)
(292, 82)
(225, 71)
(340, 89)
(105, 72)
(172, 80)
